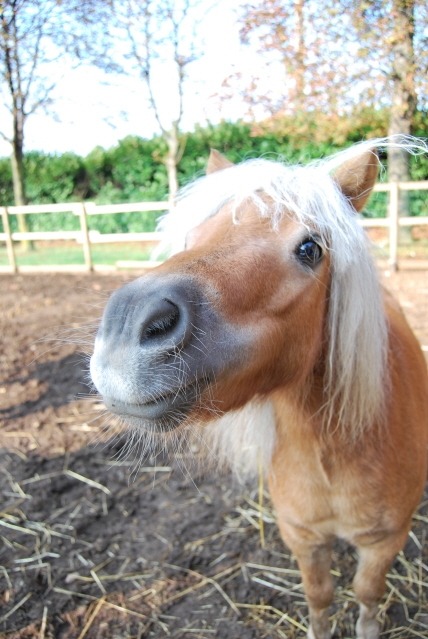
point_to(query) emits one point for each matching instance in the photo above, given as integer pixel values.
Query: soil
(94, 546)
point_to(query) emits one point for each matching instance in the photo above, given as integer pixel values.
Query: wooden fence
(83, 236)
(393, 221)
(86, 237)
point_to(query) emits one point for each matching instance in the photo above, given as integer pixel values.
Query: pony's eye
(309, 252)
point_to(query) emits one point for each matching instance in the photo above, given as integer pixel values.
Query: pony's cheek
(267, 352)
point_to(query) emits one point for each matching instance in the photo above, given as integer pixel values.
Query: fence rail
(83, 236)
(86, 237)
(393, 221)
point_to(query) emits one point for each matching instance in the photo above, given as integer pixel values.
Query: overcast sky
(93, 109)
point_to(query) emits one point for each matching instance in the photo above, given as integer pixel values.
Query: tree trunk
(403, 103)
(171, 160)
(17, 161)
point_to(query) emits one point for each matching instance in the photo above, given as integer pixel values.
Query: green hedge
(133, 171)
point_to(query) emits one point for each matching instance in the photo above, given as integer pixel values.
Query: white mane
(355, 383)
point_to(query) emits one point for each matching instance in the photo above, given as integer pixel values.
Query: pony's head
(271, 290)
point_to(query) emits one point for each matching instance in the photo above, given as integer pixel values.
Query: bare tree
(163, 43)
(33, 35)
(23, 31)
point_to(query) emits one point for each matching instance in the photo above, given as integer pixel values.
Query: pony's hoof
(368, 629)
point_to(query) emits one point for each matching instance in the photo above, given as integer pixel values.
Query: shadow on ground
(60, 382)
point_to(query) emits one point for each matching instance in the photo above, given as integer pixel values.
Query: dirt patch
(89, 550)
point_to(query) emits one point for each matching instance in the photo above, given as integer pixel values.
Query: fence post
(85, 237)
(393, 226)
(9, 241)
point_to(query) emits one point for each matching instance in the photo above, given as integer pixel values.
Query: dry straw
(159, 586)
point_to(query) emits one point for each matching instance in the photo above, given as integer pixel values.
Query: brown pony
(270, 337)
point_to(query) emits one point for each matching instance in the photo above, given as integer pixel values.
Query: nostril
(161, 326)
(162, 322)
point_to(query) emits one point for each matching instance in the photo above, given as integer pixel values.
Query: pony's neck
(302, 411)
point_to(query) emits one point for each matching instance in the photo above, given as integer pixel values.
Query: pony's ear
(217, 162)
(357, 176)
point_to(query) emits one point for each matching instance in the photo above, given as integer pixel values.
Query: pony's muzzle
(144, 363)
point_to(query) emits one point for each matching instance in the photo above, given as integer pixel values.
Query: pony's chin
(164, 413)
(166, 424)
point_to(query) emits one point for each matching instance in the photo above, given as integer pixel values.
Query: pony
(268, 334)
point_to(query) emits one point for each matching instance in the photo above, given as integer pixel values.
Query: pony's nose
(147, 317)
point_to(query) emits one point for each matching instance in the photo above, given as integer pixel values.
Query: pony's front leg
(314, 558)
(375, 559)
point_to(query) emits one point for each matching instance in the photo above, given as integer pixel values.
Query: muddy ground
(91, 549)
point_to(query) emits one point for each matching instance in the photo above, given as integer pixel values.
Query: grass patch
(68, 253)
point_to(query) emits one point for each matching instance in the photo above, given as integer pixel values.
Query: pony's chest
(315, 489)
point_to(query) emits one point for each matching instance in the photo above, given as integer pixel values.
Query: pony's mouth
(165, 411)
